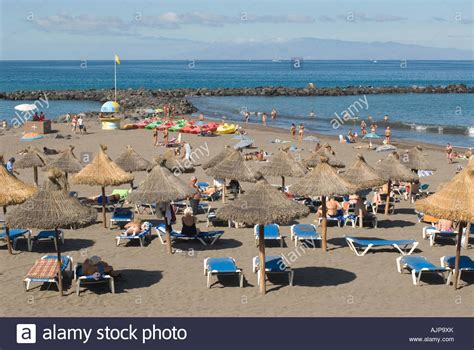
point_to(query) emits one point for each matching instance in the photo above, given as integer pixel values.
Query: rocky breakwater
(134, 100)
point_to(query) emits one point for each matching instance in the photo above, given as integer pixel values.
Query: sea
(433, 118)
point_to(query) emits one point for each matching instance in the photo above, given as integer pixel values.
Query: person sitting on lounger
(95, 265)
(444, 225)
(189, 223)
(334, 208)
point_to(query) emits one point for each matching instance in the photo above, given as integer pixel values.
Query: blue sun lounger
(121, 217)
(305, 233)
(418, 265)
(432, 233)
(222, 266)
(66, 262)
(271, 232)
(206, 238)
(99, 277)
(274, 264)
(141, 236)
(15, 234)
(46, 235)
(465, 265)
(358, 244)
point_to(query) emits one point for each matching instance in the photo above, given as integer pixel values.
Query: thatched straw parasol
(176, 165)
(131, 161)
(103, 172)
(324, 151)
(52, 207)
(218, 158)
(12, 192)
(323, 181)
(66, 162)
(233, 167)
(262, 205)
(392, 169)
(415, 159)
(31, 159)
(363, 177)
(455, 202)
(283, 164)
(161, 186)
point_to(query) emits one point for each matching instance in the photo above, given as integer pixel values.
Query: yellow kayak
(226, 129)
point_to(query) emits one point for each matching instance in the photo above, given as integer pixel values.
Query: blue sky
(72, 29)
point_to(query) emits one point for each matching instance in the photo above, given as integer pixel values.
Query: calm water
(433, 118)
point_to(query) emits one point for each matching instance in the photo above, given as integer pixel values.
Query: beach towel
(44, 268)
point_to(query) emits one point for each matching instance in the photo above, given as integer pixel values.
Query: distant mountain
(308, 48)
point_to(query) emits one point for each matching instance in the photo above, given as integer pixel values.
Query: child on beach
(293, 131)
(264, 119)
(300, 133)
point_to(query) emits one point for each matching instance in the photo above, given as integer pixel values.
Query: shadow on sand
(314, 276)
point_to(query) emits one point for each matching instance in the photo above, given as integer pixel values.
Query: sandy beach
(154, 283)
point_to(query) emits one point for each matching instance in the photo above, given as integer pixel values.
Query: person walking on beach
(449, 153)
(273, 114)
(301, 133)
(264, 119)
(388, 135)
(293, 131)
(80, 123)
(74, 124)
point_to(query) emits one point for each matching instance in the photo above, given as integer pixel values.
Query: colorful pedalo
(227, 128)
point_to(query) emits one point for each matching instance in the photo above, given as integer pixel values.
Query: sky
(144, 29)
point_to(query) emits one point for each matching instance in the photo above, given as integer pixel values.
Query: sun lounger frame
(208, 273)
(140, 236)
(28, 280)
(160, 231)
(431, 233)
(86, 280)
(279, 238)
(312, 240)
(288, 270)
(417, 274)
(445, 264)
(52, 237)
(359, 252)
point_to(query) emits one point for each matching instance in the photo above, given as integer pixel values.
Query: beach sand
(336, 283)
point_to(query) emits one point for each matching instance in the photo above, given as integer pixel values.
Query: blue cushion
(222, 265)
(381, 242)
(419, 263)
(270, 231)
(14, 232)
(465, 262)
(274, 263)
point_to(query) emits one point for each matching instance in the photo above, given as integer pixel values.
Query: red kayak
(141, 125)
(209, 127)
(165, 125)
(191, 129)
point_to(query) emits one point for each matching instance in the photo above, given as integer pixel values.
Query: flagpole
(115, 80)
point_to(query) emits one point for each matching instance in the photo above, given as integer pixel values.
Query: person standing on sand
(388, 135)
(363, 128)
(449, 153)
(80, 123)
(293, 131)
(264, 119)
(301, 133)
(273, 114)
(155, 136)
(165, 136)
(74, 124)
(373, 128)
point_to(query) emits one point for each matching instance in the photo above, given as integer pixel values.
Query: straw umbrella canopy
(455, 202)
(66, 162)
(363, 177)
(174, 164)
(323, 181)
(131, 161)
(218, 158)
(103, 172)
(161, 186)
(52, 207)
(12, 192)
(260, 206)
(415, 159)
(315, 159)
(31, 159)
(392, 169)
(233, 167)
(283, 164)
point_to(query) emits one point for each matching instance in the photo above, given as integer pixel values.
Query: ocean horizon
(433, 118)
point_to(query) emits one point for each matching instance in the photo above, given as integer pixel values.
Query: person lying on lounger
(95, 265)
(444, 225)
(134, 227)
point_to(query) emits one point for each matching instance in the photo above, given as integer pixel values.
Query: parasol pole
(104, 215)
(223, 192)
(387, 204)
(7, 232)
(60, 277)
(261, 257)
(324, 223)
(35, 175)
(115, 78)
(283, 184)
(168, 230)
(458, 254)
